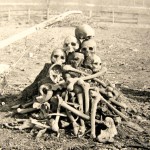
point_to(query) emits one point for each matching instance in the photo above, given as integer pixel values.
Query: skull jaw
(88, 61)
(75, 59)
(89, 54)
(96, 69)
(75, 64)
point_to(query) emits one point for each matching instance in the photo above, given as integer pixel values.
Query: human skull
(96, 64)
(88, 47)
(71, 44)
(58, 56)
(84, 31)
(93, 62)
(75, 59)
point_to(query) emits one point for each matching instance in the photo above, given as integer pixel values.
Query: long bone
(113, 99)
(121, 104)
(78, 113)
(96, 97)
(39, 124)
(84, 116)
(85, 86)
(87, 76)
(54, 123)
(26, 110)
(74, 123)
(78, 90)
(115, 110)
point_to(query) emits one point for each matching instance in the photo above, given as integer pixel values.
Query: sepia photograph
(74, 74)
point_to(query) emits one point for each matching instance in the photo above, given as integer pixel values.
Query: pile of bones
(75, 93)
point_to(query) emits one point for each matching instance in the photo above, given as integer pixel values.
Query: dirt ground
(126, 52)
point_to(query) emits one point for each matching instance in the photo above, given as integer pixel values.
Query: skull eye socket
(84, 49)
(91, 48)
(76, 58)
(73, 44)
(96, 63)
(55, 56)
(93, 97)
(62, 57)
(88, 37)
(66, 44)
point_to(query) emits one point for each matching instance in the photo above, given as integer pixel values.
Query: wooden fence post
(134, 2)
(137, 18)
(29, 15)
(9, 15)
(113, 16)
(90, 13)
(47, 13)
(143, 3)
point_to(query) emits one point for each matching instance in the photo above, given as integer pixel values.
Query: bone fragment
(39, 124)
(44, 97)
(58, 114)
(16, 106)
(26, 124)
(27, 104)
(20, 120)
(64, 123)
(108, 134)
(41, 133)
(26, 110)
(45, 109)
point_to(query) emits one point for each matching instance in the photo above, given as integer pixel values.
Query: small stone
(3, 103)
(30, 55)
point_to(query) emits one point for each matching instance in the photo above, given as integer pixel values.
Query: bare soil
(125, 50)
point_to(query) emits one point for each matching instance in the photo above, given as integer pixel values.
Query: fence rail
(121, 14)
